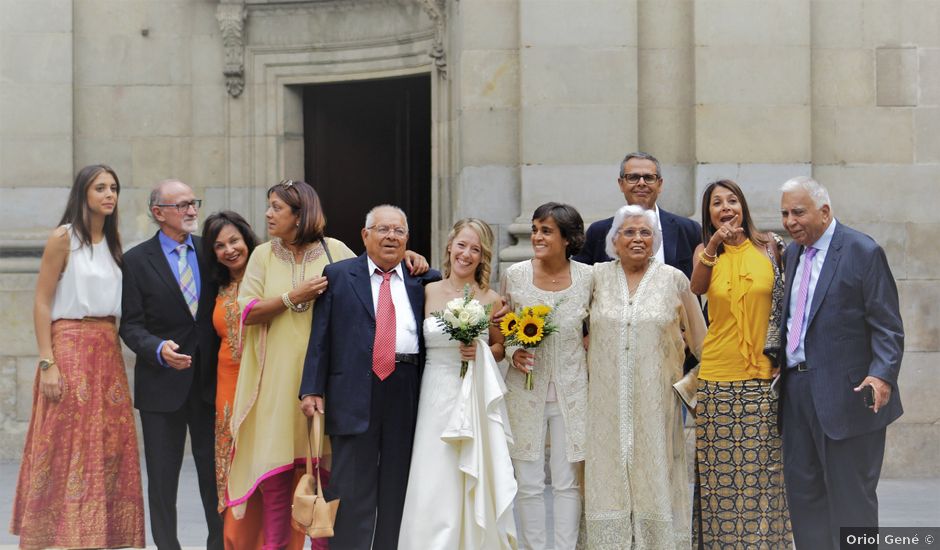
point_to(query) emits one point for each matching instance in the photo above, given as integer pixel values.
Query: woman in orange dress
(229, 241)
(79, 484)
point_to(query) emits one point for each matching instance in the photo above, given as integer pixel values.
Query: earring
(297, 224)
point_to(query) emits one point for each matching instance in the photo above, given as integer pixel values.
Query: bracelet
(705, 261)
(299, 308)
(711, 257)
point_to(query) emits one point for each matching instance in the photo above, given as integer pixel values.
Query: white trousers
(566, 497)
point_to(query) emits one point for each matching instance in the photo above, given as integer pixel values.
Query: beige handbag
(310, 512)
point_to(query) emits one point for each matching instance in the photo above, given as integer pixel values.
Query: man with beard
(167, 321)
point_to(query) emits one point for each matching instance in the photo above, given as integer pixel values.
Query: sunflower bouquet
(527, 327)
(464, 320)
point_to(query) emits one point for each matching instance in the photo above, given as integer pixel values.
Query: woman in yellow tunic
(281, 281)
(740, 501)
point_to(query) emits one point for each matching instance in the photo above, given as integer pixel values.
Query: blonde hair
(483, 231)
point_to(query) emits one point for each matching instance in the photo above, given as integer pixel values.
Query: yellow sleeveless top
(739, 298)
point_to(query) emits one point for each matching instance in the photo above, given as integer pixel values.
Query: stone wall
(533, 100)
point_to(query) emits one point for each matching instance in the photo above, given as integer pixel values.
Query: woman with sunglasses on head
(79, 484)
(283, 278)
(739, 500)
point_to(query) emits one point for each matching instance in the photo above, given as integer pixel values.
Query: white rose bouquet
(464, 320)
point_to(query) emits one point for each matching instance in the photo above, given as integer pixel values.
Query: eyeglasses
(183, 207)
(286, 183)
(384, 230)
(631, 233)
(635, 178)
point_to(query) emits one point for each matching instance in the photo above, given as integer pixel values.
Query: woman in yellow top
(739, 496)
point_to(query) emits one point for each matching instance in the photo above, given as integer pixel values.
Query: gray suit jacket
(854, 330)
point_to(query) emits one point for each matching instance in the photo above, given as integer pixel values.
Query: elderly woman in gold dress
(643, 315)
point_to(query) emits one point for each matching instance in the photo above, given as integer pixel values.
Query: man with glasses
(167, 304)
(641, 181)
(364, 361)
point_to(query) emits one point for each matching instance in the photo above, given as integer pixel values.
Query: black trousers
(830, 483)
(164, 446)
(370, 470)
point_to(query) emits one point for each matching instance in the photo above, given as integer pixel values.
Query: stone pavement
(904, 503)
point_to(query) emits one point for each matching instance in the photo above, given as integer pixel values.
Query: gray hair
(640, 155)
(623, 214)
(817, 192)
(370, 217)
(156, 195)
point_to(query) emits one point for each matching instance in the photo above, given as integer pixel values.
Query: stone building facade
(530, 100)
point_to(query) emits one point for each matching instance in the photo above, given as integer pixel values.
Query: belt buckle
(801, 367)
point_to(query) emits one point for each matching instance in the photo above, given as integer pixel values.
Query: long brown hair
(77, 213)
(747, 223)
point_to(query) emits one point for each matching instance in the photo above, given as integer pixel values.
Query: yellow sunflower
(508, 325)
(530, 330)
(541, 311)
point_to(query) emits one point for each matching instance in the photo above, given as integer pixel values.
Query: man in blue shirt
(167, 321)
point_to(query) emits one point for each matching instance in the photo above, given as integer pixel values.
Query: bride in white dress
(461, 485)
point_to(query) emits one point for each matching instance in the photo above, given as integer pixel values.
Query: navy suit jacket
(854, 330)
(153, 310)
(680, 237)
(338, 365)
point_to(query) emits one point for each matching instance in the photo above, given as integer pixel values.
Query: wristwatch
(45, 364)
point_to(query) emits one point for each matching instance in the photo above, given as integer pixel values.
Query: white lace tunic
(636, 481)
(560, 358)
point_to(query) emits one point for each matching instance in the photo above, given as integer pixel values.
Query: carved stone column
(231, 15)
(437, 12)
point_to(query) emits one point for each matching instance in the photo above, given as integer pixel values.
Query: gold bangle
(711, 257)
(706, 262)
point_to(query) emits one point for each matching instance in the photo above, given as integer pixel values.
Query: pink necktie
(383, 349)
(796, 330)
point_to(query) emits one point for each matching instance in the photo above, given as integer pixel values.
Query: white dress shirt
(660, 255)
(406, 332)
(822, 247)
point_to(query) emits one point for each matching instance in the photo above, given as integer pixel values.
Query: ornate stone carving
(437, 11)
(231, 16)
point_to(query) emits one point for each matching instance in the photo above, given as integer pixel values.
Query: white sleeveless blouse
(90, 286)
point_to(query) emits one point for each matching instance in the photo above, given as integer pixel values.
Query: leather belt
(406, 358)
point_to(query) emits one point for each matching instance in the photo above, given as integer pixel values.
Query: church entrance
(368, 143)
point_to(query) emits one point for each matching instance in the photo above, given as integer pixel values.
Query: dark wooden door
(369, 143)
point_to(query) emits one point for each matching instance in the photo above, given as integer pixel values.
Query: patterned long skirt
(79, 484)
(740, 502)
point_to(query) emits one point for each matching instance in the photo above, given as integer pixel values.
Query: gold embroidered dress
(636, 482)
(270, 431)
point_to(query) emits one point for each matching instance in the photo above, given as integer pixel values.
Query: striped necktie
(187, 281)
(796, 328)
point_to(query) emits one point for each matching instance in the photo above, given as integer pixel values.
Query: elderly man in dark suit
(843, 345)
(365, 357)
(641, 181)
(167, 321)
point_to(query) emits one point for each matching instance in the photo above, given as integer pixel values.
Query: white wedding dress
(461, 485)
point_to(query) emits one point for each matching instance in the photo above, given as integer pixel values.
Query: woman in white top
(79, 484)
(556, 404)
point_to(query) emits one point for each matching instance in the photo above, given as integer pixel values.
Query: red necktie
(383, 349)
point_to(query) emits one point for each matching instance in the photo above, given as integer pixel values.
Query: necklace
(456, 290)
